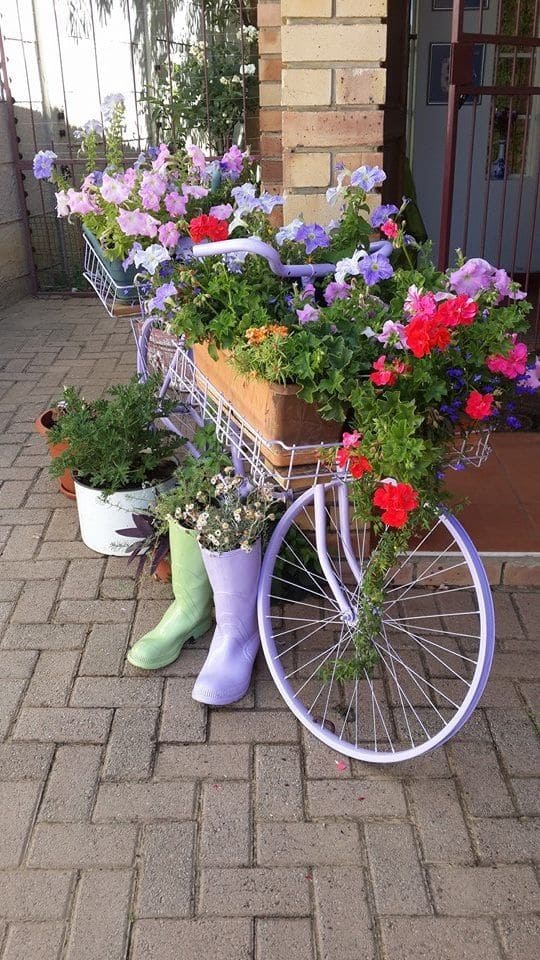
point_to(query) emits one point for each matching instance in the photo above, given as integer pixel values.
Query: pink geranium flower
(419, 304)
(511, 366)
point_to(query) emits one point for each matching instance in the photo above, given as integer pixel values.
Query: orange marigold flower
(278, 331)
(255, 335)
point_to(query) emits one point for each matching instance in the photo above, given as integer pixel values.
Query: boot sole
(197, 632)
(213, 700)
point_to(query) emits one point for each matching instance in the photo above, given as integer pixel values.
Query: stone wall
(322, 91)
(14, 271)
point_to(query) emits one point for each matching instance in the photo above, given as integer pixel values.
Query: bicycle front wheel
(432, 650)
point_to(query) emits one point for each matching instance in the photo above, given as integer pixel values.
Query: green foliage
(113, 443)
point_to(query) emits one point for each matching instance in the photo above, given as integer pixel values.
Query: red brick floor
(502, 511)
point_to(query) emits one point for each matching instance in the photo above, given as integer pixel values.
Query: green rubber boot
(190, 613)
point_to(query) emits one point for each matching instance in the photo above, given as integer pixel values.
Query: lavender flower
(313, 237)
(288, 232)
(381, 214)
(308, 314)
(43, 164)
(158, 301)
(336, 291)
(374, 268)
(367, 178)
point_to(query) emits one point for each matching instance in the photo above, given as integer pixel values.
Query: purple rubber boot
(226, 673)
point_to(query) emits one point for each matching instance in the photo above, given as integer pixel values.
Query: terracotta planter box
(273, 411)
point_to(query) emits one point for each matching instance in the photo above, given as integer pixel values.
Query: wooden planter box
(273, 411)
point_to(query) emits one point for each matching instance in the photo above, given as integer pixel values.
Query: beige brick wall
(323, 87)
(14, 273)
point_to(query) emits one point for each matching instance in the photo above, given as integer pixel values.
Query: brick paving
(137, 825)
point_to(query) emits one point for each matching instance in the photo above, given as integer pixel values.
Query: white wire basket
(196, 393)
(469, 449)
(119, 300)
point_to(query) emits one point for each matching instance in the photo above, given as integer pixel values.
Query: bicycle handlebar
(284, 270)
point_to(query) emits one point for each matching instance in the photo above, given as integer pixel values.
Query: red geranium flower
(384, 376)
(459, 311)
(417, 336)
(358, 466)
(208, 228)
(479, 405)
(439, 335)
(396, 500)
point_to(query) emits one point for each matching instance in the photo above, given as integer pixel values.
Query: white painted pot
(100, 518)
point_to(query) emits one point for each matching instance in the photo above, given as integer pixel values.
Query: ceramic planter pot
(114, 268)
(42, 425)
(274, 411)
(100, 518)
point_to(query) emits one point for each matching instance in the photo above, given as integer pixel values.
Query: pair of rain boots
(197, 575)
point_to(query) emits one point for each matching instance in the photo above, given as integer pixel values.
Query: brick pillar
(332, 93)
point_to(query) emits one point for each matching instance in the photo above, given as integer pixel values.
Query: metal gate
(491, 182)
(185, 68)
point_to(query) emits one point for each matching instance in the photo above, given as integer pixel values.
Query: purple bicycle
(435, 644)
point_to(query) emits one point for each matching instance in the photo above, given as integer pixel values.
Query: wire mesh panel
(186, 69)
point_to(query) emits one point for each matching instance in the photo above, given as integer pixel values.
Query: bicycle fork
(344, 533)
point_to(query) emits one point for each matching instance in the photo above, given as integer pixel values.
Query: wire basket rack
(248, 447)
(119, 300)
(470, 448)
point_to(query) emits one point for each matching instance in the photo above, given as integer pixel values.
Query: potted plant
(150, 545)
(190, 614)
(44, 424)
(119, 458)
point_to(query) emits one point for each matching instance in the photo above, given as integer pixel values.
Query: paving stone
(341, 914)
(100, 917)
(35, 894)
(38, 941)
(64, 525)
(324, 844)
(22, 542)
(166, 878)
(145, 801)
(37, 570)
(355, 798)
(105, 650)
(394, 864)
(63, 725)
(82, 845)
(322, 763)
(52, 679)
(254, 891)
(517, 741)
(72, 784)
(35, 602)
(278, 783)
(183, 719)
(520, 936)
(284, 940)
(94, 611)
(116, 692)
(25, 761)
(507, 840)
(118, 589)
(18, 802)
(132, 743)
(12, 692)
(264, 726)
(13, 492)
(440, 822)
(225, 839)
(189, 664)
(220, 939)
(527, 793)
(202, 762)
(466, 891)
(46, 636)
(82, 580)
(480, 781)
(17, 664)
(64, 549)
(528, 605)
(438, 938)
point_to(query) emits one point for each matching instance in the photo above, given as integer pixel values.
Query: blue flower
(367, 178)
(374, 268)
(152, 152)
(43, 164)
(158, 301)
(312, 236)
(513, 423)
(381, 214)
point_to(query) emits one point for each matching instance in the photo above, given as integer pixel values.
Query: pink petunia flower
(168, 234)
(175, 204)
(135, 223)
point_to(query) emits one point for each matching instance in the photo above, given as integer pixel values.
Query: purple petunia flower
(312, 236)
(336, 291)
(158, 300)
(367, 178)
(43, 164)
(374, 268)
(308, 314)
(381, 214)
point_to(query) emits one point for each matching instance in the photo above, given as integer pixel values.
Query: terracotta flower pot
(274, 411)
(163, 571)
(43, 425)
